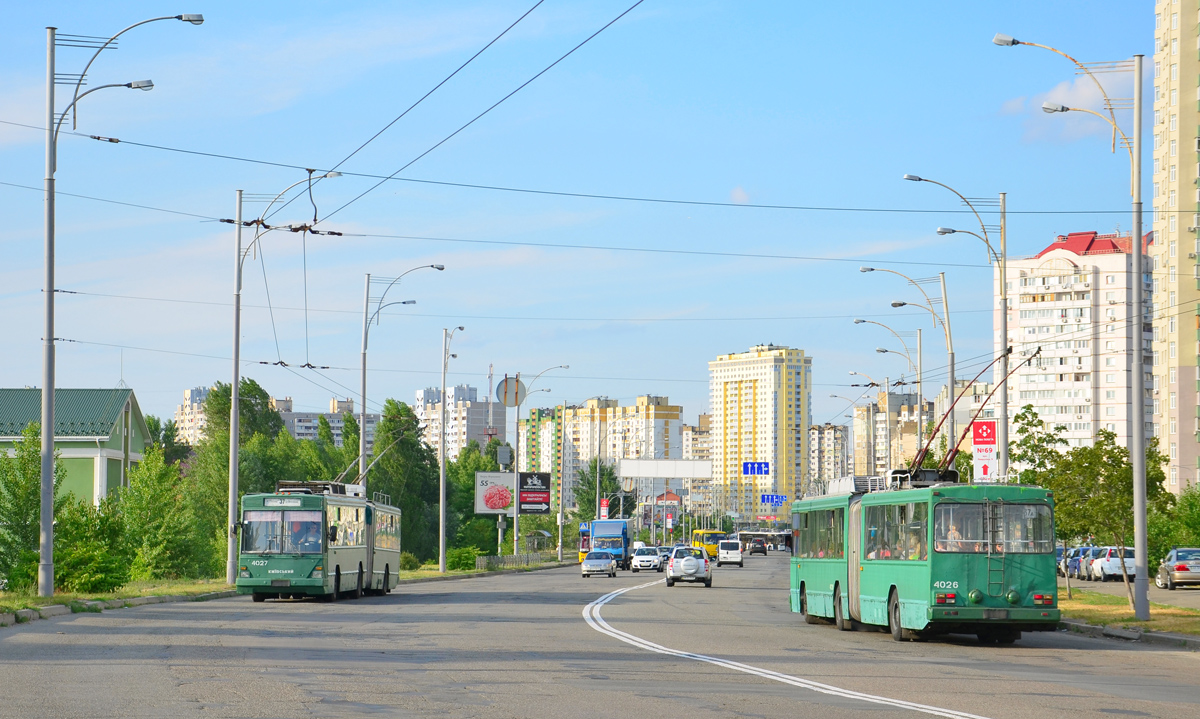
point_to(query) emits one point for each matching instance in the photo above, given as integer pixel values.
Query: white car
(647, 558)
(1107, 564)
(729, 551)
(689, 564)
(598, 563)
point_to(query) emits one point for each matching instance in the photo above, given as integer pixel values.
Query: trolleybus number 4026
(945, 585)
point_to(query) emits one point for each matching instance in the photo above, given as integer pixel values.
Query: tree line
(169, 522)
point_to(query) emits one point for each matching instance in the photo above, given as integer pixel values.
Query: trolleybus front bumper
(275, 586)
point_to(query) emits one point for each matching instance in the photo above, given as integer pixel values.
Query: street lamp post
(53, 126)
(368, 318)
(239, 257)
(447, 336)
(1137, 407)
(945, 323)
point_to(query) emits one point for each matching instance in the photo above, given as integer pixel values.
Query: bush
(90, 553)
(409, 562)
(462, 558)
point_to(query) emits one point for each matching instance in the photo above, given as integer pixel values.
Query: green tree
(407, 470)
(90, 552)
(585, 492)
(255, 414)
(164, 436)
(1036, 449)
(21, 500)
(159, 521)
(463, 527)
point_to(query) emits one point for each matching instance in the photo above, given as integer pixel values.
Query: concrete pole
(1002, 434)
(1137, 437)
(953, 435)
(887, 420)
(46, 537)
(442, 457)
(517, 473)
(231, 555)
(562, 466)
(362, 390)
(920, 395)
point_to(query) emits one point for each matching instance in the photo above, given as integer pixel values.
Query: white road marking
(591, 614)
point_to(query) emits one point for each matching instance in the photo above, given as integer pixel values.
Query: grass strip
(1109, 610)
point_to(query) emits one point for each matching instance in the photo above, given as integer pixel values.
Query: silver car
(1181, 566)
(647, 558)
(598, 563)
(689, 564)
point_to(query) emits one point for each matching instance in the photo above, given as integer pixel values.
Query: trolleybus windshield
(272, 531)
(1014, 528)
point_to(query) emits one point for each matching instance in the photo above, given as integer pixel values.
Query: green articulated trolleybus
(321, 539)
(922, 554)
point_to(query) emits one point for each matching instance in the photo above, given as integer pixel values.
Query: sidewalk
(1187, 597)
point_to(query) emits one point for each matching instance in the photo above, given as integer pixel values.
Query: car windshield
(1187, 555)
(645, 552)
(993, 528)
(598, 555)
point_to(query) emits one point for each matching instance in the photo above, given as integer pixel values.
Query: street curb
(21, 616)
(1170, 639)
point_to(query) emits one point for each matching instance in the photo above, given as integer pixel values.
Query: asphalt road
(520, 646)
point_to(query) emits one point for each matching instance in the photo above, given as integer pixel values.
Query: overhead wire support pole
(234, 426)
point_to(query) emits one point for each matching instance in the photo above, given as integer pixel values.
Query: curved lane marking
(591, 614)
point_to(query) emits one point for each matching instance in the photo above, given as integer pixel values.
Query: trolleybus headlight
(318, 572)
(975, 596)
(243, 571)
(1013, 597)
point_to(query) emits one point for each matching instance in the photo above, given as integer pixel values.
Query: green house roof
(77, 412)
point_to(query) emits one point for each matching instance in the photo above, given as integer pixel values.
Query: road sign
(604, 509)
(627, 484)
(756, 468)
(983, 440)
(670, 521)
(510, 391)
(775, 500)
(534, 492)
(984, 469)
(493, 493)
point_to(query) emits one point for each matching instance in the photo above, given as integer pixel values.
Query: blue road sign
(775, 500)
(756, 468)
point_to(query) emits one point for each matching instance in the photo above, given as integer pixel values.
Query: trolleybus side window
(897, 531)
(260, 531)
(821, 534)
(1014, 528)
(302, 531)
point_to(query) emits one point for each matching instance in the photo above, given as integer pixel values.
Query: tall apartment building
(761, 403)
(696, 438)
(304, 425)
(563, 440)
(1073, 300)
(466, 418)
(828, 452)
(886, 431)
(190, 419)
(1174, 308)
(972, 397)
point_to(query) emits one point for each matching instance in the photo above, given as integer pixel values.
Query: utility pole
(362, 396)
(1002, 434)
(887, 421)
(1137, 437)
(920, 395)
(952, 435)
(442, 457)
(231, 554)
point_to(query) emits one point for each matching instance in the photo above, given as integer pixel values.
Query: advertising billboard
(494, 493)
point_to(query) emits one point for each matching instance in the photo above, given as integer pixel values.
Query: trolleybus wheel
(894, 617)
(1007, 636)
(387, 579)
(808, 618)
(358, 589)
(842, 623)
(258, 597)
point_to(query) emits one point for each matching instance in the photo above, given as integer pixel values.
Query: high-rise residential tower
(1174, 309)
(761, 403)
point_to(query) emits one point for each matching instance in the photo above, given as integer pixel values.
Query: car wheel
(894, 617)
(708, 582)
(1158, 582)
(258, 597)
(1101, 576)
(635, 570)
(740, 565)
(720, 565)
(670, 582)
(1170, 583)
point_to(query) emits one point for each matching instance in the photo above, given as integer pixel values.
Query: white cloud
(739, 196)
(1080, 92)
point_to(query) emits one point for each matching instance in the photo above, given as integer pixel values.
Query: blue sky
(802, 104)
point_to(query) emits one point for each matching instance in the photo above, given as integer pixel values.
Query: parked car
(1070, 561)
(647, 558)
(1107, 563)
(1078, 565)
(1059, 554)
(1181, 566)
(689, 564)
(758, 546)
(598, 563)
(729, 551)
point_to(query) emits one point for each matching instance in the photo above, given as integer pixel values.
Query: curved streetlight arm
(1050, 107)
(375, 315)
(966, 202)
(937, 319)
(889, 329)
(905, 355)
(194, 19)
(869, 377)
(539, 374)
(58, 125)
(992, 254)
(380, 304)
(911, 281)
(258, 230)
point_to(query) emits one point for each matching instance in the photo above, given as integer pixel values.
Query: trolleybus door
(369, 563)
(852, 561)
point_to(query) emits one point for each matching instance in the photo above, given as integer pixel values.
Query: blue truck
(612, 536)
